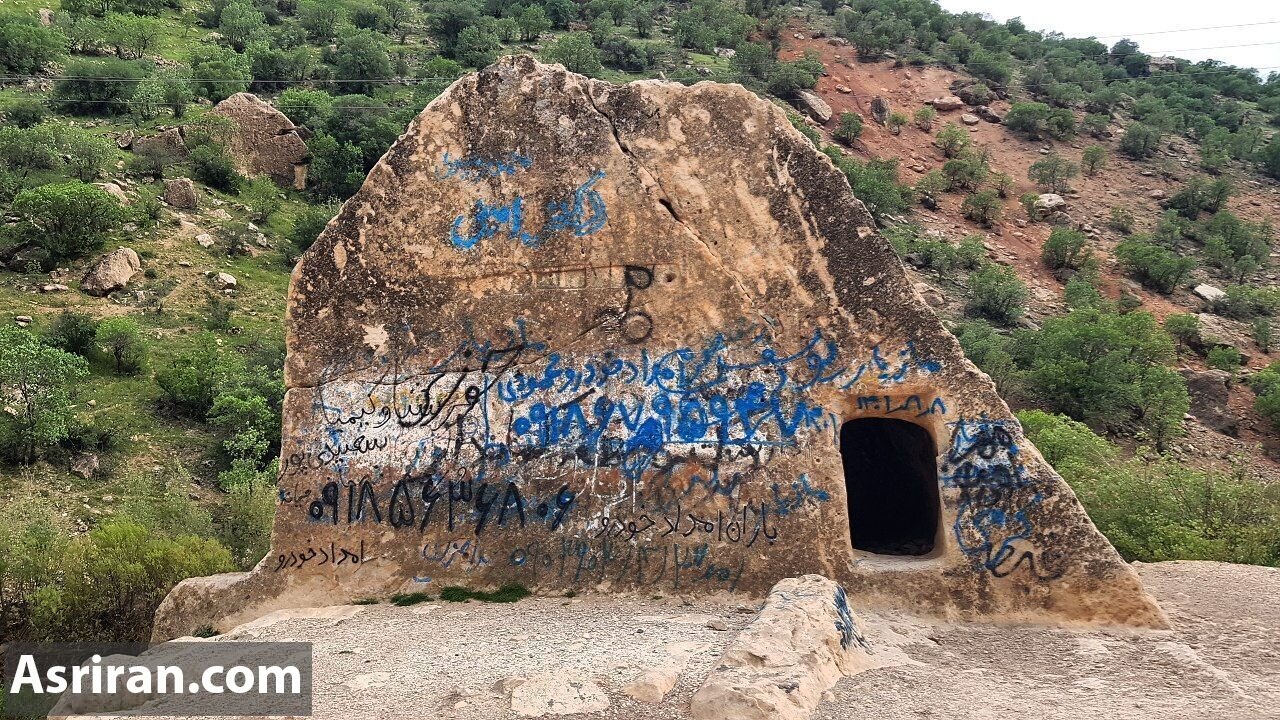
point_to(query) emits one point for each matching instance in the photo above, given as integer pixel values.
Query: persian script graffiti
(997, 500)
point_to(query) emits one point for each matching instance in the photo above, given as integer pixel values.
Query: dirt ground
(1221, 660)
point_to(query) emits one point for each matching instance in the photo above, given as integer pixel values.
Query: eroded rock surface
(112, 272)
(574, 335)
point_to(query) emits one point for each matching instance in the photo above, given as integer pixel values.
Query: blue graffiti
(845, 625)
(997, 497)
(475, 168)
(583, 214)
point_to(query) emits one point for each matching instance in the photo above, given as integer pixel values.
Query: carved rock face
(576, 335)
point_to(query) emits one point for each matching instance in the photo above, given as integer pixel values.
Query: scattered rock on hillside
(112, 272)
(225, 281)
(23, 320)
(53, 288)
(264, 141)
(1209, 391)
(1049, 204)
(880, 109)
(114, 191)
(169, 142)
(181, 193)
(946, 103)
(205, 240)
(814, 106)
(1208, 293)
(85, 465)
(970, 119)
(125, 139)
(986, 113)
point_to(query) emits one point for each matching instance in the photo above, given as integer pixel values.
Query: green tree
(119, 337)
(577, 53)
(219, 72)
(321, 18)
(308, 224)
(1106, 368)
(36, 383)
(533, 22)
(26, 46)
(262, 197)
(131, 35)
(67, 219)
(1140, 141)
(982, 207)
(213, 166)
(1027, 118)
(1093, 159)
(97, 87)
(925, 117)
(1065, 250)
(446, 23)
(952, 140)
(896, 121)
(996, 293)
(362, 56)
(242, 24)
(1052, 172)
(336, 167)
(850, 128)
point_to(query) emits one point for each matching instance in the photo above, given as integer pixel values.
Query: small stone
(225, 281)
(718, 624)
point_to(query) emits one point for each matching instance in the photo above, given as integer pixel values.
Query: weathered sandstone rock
(580, 336)
(181, 193)
(813, 106)
(112, 272)
(264, 141)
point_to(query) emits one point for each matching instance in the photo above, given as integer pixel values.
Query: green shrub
(982, 207)
(1237, 246)
(1224, 357)
(1027, 118)
(1158, 510)
(119, 338)
(26, 46)
(1093, 159)
(212, 165)
(73, 332)
(36, 382)
(1052, 172)
(1140, 141)
(989, 350)
(1155, 266)
(1245, 302)
(577, 53)
(1262, 330)
(97, 87)
(1200, 195)
(1105, 368)
(245, 527)
(262, 197)
(309, 223)
(1121, 219)
(896, 121)
(67, 219)
(952, 140)
(25, 112)
(875, 183)
(1065, 250)
(925, 117)
(966, 172)
(996, 293)
(1184, 328)
(193, 379)
(850, 128)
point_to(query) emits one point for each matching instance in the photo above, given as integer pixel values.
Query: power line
(1185, 30)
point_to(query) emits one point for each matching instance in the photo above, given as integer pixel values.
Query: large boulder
(181, 193)
(813, 106)
(264, 142)
(946, 103)
(1210, 391)
(169, 143)
(1048, 205)
(645, 339)
(112, 272)
(1208, 293)
(880, 109)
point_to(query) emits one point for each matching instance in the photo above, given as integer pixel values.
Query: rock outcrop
(112, 272)
(805, 639)
(264, 141)
(575, 335)
(168, 143)
(1210, 391)
(946, 103)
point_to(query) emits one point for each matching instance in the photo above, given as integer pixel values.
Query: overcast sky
(1108, 20)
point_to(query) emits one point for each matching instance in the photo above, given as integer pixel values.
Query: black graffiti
(330, 554)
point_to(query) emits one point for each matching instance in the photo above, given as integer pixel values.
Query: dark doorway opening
(891, 479)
